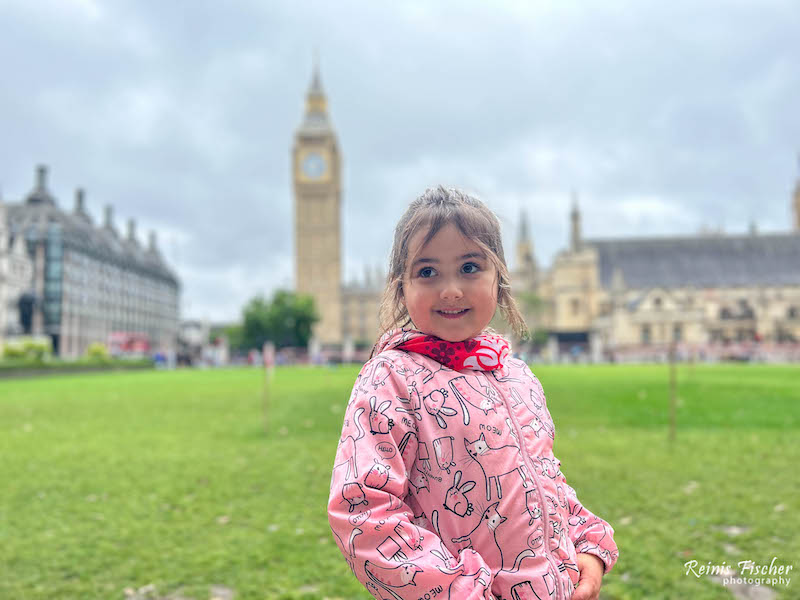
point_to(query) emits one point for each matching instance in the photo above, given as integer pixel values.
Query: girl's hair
(433, 210)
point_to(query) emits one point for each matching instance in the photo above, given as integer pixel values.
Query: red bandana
(481, 353)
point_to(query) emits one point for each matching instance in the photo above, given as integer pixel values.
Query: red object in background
(127, 343)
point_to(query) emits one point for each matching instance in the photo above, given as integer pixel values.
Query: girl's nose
(451, 291)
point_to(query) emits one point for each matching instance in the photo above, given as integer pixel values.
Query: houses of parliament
(600, 297)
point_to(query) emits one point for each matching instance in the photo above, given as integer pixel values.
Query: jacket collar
(484, 352)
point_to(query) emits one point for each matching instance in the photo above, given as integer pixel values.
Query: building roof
(35, 219)
(701, 261)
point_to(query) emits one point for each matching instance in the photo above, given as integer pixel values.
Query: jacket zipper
(540, 494)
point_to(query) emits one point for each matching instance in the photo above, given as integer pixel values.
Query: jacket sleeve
(392, 553)
(589, 533)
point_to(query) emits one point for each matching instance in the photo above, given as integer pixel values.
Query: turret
(525, 261)
(575, 218)
(40, 194)
(132, 231)
(80, 206)
(108, 221)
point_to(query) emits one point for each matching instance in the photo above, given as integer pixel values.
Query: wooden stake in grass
(672, 391)
(268, 354)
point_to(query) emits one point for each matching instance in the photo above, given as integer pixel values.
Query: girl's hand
(591, 571)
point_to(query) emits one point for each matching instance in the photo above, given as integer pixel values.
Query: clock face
(314, 165)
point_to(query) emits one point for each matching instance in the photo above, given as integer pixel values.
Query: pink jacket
(445, 484)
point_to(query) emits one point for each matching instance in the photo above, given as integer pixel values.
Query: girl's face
(450, 290)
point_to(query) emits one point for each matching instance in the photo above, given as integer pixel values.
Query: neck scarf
(484, 352)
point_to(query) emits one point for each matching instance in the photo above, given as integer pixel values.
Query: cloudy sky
(664, 117)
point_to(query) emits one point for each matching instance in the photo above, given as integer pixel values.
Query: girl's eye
(470, 268)
(426, 272)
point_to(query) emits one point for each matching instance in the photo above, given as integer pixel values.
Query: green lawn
(122, 480)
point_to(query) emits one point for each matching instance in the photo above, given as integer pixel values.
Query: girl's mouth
(453, 314)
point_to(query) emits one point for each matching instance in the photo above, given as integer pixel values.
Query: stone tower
(316, 171)
(575, 222)
(525, 264)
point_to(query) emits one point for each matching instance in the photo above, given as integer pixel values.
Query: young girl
(445, 484)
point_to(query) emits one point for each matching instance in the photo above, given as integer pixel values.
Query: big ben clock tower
(316, 171)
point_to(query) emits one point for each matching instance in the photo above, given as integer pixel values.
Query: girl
(445, 484)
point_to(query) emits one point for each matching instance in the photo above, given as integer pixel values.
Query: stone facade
(92, 283)
(16, 274)
(708, 294)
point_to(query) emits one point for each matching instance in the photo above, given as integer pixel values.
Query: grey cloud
(664, 117)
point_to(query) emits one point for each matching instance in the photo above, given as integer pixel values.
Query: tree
(234, 334)
(286, 320)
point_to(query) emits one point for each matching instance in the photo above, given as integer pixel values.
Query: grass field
(121, 480)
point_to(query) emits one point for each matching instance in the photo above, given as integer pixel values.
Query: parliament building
(710, 294)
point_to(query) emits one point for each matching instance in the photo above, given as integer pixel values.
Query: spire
(525, 261)
(316, 81)
(575, 218)
(523, 226)
(316, 116)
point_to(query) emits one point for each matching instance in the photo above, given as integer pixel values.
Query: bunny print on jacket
(445, 484)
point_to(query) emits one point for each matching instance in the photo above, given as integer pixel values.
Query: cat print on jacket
(392, 577)
(492, 519)
(494, 460)
(349, 450)
(445, 484)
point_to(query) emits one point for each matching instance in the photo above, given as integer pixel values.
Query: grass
(125, 479)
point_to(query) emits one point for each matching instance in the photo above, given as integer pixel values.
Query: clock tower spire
(316, 173)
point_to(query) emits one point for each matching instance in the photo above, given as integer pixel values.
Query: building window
(576, 306)
(793, 313)
(646, 335)
(745, 310)
(677, 332)
(656, 303)
(745, 335)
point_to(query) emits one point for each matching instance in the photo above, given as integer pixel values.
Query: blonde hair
(433, 210)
